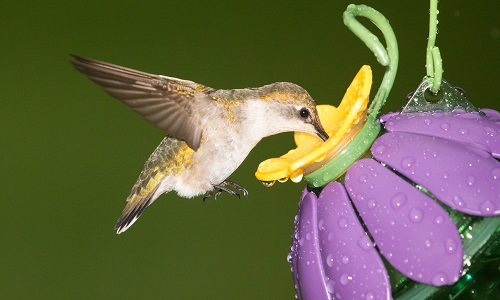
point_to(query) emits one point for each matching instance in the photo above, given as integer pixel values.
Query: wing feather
(169, 103)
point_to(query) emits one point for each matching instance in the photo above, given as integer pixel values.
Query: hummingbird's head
(290, 108)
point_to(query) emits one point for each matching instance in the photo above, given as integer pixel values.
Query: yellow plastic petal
(340, 123)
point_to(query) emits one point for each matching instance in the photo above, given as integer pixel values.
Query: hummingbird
(209, 132)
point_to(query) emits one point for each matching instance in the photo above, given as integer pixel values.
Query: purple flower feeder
(397, 205)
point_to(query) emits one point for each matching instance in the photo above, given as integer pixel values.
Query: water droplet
(428, 243)
(331, 236)
(344, 279)
(321, 225)
(398, 200)
(362, 179)
(445, 175)
(343, 223)
(416, 215)
(487, 207)
(365, 243)
(330, 287)
(372, 203)
(463, 131)
(439, 279)
(428, 121)
(437, 114)
(438, 220)
(407, 162)
(471, 180)
(330, 260)
(496, 173)
(490, 131)
(458, 201)
(289, 258)
(380, 149)
(345, 259)
(283, 180)
(308, 236)
(369, 296)
(445, 126)
(450, 246)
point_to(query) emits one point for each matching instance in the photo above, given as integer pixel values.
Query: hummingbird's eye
(304, 112)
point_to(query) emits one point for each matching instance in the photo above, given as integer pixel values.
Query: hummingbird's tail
(169, 159)
(142, 195)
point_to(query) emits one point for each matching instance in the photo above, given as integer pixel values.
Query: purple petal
(463, 177)
(331, 254)
(353, 266)
(306, 261)
(411, 230)
(470, 128)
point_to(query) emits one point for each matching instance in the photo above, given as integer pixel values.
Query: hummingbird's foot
(219, 188)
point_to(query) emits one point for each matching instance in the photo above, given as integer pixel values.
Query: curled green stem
(386, 57)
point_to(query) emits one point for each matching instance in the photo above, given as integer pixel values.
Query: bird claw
(219, 188)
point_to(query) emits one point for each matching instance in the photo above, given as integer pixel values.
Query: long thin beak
(321, 133)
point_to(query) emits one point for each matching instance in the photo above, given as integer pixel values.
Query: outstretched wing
(166, 102)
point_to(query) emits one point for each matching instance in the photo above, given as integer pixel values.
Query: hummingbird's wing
(153, 180)
(166, 102)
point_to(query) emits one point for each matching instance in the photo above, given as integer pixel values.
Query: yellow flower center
(341, 123)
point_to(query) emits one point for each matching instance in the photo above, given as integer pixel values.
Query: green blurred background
(70, 153)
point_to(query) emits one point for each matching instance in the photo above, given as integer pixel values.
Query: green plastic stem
(359, 145)
(387, 58)
(434, 63)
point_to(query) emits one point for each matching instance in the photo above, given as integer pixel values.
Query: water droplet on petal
(345, 259)
(496, 173)
(416, 214)
(407, 162)
(427, 121)
(463, 131)
(330, 236)
(438, 220)
(330, 287)
(343, 223)
(330, 260)
(369, 296)
(362, 179)
(458, 201)
(439, 279)
(471, 180)
(372, 203)
(490, 131)
(451, 246)
(365, 243)
(445, 126)
(487, 207)
(380, 149)
(445, 175)
(321, 225)
(398, 200)
(428, 243)
(289, 258)
(344, 279)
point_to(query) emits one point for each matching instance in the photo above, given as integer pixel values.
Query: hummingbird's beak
(321, 133)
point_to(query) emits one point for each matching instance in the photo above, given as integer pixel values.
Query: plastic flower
(393, 205)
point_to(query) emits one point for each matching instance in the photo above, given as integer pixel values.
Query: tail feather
(142, 195)
(169, 158)
(136, 205)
